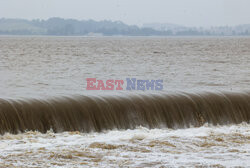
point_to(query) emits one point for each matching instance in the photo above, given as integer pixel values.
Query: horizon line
(110, 20)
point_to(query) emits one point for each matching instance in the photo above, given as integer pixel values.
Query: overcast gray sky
(184, 12)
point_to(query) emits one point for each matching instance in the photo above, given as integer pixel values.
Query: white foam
(207, 146)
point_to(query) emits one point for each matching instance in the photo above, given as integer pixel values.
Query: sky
(204, 13)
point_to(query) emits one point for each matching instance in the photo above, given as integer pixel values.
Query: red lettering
(90, 83)
(119, 83)
(110, 85)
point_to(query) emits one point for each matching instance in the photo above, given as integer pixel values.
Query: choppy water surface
(126, 129)
(204, 146)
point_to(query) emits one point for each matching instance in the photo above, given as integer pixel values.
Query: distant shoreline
(118, 36)
(89, 28)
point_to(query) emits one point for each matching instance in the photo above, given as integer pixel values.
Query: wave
(92, 113)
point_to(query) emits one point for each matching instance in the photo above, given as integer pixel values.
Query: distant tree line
(72, 27)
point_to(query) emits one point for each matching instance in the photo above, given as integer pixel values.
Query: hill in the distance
(72, 27)
(240, 30)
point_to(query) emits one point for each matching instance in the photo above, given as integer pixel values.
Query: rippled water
(58, 66)
(39, 66)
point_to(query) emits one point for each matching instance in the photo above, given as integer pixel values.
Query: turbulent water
(205, 146)
(49, 119)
